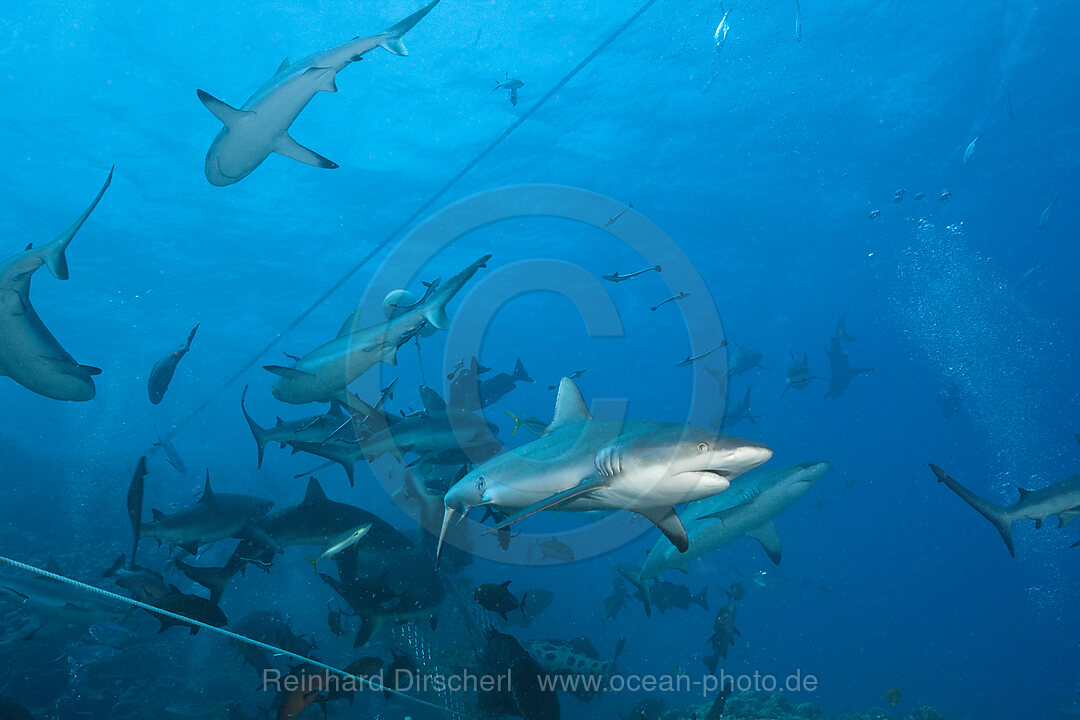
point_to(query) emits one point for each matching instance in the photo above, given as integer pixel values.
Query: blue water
(761, 163)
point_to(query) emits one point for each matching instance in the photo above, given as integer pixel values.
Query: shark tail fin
(53, 253)
(633, 575)
(520, 373)
(390, 38)
(997, 515)
(258, 432)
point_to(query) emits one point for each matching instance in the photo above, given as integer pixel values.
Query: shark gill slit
(420, 210)
(91, 590)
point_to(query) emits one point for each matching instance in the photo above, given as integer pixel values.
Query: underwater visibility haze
(652, 360)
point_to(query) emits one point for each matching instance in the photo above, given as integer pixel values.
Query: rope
(91, 590)
(424, 206)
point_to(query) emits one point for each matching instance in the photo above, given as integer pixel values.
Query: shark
(316, 520)
(57, 605)
(748, 509)
(735, 413)
(261, 125)
(162, 373)
(29, 354)
(798, 374)
(324, 373)
(214, 517)
(438, 429)
(574, 658)
(580, 463)
(1061, 499)
(842, 373)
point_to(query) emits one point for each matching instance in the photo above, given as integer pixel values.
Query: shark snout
(749, 455)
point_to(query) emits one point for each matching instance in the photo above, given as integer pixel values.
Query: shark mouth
(708, 476)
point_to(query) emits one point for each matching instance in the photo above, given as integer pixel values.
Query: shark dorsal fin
(315, 493)
(207, 493)
(1024, 492)
(570, 407)
(506, 584)
(433, 402)
(282, 67)
(348, 327)
(157, 514)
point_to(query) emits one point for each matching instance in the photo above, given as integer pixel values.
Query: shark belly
(32, 357)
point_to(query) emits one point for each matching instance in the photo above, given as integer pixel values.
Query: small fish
(573, 376)
(798, 22)
(692, 358)
(614, 218)
(112, 634)
(533, 424)
(616, 278)
(1045, 217)
(171, 455)
(498, 599)
(898, 198)
(875, 214)
(945, 195)
(720, 36)
(920, 196)
(342, 542)
(673, 298)
(970, 149)
(556, 550)
(893, 696)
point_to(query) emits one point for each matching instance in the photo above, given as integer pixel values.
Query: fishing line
(91, 590)
(424, 207)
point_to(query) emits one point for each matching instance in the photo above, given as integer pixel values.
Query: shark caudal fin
(997, 515)
(53, 253)
(390, 38)
(520, 374)
(633, 576)
(257, 431)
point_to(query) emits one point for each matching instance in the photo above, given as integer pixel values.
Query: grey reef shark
(581, 464)
(29, 354)
(260, 126)
(747, 509)
(324, 373)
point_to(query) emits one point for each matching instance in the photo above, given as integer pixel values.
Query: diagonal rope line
(91, 590)
(397, 231)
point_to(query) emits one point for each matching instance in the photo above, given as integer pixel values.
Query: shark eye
(703, 447)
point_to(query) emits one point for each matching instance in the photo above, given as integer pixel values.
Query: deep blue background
(762, 162)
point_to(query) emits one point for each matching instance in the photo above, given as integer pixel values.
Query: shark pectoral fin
(769, 539)
(69, 368)
(547, 503)
(669, 523)
(288, 147)
(287, 373)
(224, 112)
